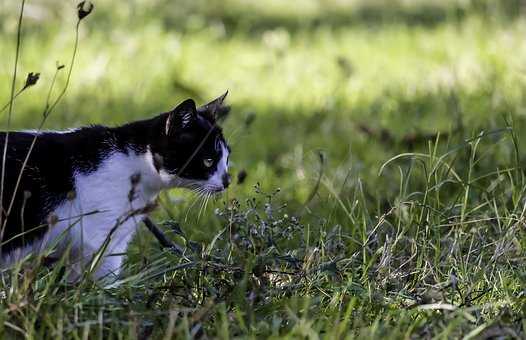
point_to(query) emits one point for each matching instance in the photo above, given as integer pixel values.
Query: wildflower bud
(31, 79)
(84, 9)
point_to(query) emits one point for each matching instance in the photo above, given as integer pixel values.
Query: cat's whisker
(203, 197)
(194, 201)
(201, 209)
(206, 200)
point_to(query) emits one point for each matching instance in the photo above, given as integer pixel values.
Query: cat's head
(192, 152)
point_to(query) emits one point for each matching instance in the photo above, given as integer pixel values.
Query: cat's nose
(226, 180)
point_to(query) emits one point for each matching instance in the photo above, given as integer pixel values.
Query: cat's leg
(78, 261)
(101, 237)
(110, 267)
(107, 268)
(85, 250)
(111, 262)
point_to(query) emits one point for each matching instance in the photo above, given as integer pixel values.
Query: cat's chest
(121, 184)
(108, 202)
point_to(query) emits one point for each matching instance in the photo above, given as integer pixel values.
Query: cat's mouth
(199, 186)
(216, 185)
(206, 189)
(214, 190)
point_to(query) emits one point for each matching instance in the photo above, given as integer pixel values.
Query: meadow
(377, 155)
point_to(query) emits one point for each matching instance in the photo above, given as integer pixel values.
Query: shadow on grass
(367, 15)
(252, 20)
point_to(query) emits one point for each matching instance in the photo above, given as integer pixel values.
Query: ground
(377, 154)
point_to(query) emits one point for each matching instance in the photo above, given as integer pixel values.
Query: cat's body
(85, 188)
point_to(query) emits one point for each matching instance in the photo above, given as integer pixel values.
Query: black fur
(48, 178)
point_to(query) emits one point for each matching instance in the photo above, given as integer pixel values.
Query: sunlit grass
(431, 245)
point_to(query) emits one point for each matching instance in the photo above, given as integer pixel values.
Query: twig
(31, 80)
(159, 235)
(47, 111)
(316, 187)
(10, 112)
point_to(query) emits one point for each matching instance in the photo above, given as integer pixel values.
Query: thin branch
(47, 111)
(10, 112)
(159, 235)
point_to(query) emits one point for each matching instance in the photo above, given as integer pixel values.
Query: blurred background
(391, 127)
(325, 89)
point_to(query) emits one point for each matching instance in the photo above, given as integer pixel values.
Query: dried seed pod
(84, 9)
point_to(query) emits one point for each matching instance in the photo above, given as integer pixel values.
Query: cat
(87, 189)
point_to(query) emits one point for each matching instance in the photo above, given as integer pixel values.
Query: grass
(392, 129)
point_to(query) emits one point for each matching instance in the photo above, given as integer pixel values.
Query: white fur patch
(101, 202)
(215, 182)
(212, 185)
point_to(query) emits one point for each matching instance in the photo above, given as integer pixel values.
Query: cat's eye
(208, 162)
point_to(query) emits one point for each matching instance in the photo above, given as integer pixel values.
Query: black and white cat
(85, 187)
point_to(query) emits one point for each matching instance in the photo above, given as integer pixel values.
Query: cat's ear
(181, 117)
(215, 109)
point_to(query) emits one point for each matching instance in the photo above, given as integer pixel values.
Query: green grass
(411, 222)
